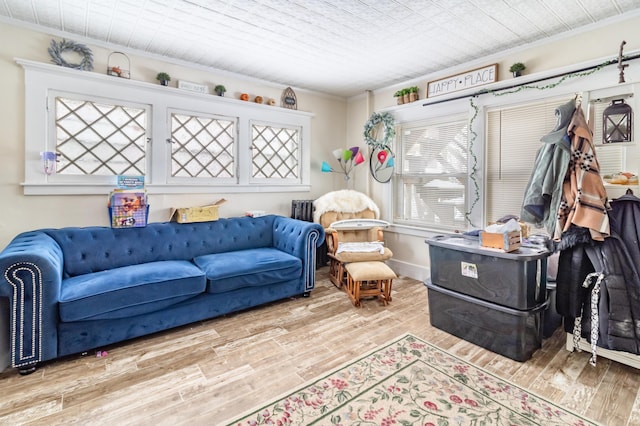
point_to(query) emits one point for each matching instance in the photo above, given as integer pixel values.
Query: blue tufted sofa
(75, 289)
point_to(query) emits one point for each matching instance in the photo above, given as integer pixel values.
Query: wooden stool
(367, 279)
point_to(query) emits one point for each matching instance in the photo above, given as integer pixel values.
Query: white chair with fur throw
(354, 234)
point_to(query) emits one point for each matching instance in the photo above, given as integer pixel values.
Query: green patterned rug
(411, 382)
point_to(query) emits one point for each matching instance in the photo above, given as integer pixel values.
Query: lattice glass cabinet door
(98, 138)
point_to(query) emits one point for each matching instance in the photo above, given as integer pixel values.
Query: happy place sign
(465, 80)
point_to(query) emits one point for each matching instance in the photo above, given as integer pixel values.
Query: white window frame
(455, 108)
(59, 178)
(209, 181)
(278, 181)
(398, 174)
(41, 80)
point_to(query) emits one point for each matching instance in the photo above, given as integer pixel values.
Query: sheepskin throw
(345, 201)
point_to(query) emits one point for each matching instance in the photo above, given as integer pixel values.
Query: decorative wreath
(389, 130)
(57, 49)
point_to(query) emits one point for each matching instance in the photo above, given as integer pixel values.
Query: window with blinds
(431, 175)
(512, 142)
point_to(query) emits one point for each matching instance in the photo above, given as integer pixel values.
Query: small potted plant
(220, 89)
(517, 69)
(398, 95)
(163, 78)
(413, 93)
(405, 96)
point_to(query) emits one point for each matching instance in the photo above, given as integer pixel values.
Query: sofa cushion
(248, 268)
(97, 248)
(130, 290)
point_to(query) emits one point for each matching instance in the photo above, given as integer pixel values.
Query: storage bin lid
(472, 245)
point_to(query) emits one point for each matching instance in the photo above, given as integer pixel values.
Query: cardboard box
(508, 241)
(197, 214)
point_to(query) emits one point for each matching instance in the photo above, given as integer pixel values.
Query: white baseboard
(411, 270)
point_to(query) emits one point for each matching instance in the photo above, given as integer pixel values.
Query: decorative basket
(120, 217)
(118, 65)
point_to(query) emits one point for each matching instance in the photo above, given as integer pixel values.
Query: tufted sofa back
(94, 249)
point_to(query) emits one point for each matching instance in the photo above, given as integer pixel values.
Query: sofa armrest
(30, 277)
(300, 239)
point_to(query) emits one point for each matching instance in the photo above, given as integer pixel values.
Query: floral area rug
(411, 382)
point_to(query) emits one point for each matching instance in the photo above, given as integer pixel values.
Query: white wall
(20, 213)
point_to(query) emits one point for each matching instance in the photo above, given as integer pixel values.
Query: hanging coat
(618, 299)
(584, 199)
(544, 189)
(625, 221)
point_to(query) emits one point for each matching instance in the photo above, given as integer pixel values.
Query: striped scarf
(584, 199)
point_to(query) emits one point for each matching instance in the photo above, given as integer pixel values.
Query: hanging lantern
(616, 122)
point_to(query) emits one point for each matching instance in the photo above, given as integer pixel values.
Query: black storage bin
(514, 333)
(515, 279)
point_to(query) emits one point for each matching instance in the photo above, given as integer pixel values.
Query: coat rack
(621, 66)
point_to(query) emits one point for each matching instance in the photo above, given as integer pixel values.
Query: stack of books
(128, 206)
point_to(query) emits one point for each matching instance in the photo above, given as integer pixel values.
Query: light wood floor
(208, 372)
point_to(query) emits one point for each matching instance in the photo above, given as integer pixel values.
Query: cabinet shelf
(619, 144)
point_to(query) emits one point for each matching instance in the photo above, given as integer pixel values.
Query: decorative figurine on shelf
(347, 158)
(289, 99)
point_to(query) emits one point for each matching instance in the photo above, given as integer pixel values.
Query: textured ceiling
(339, 47)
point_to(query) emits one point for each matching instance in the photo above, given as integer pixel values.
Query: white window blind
(513, 140)
(431, 179)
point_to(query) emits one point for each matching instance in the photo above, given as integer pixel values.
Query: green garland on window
(501, 92)
(474, 162)
(58, 48)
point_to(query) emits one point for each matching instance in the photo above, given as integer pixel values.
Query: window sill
(415, 231)
(80, 189)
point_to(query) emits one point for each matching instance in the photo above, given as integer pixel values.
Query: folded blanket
(361, 247)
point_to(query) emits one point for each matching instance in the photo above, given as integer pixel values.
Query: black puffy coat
(618, 312)
(625, 221)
